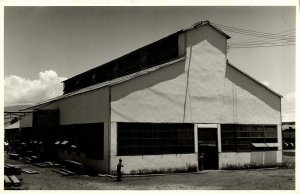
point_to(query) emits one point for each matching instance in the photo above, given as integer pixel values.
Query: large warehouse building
(162, 106)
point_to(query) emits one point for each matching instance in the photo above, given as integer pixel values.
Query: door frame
(211, 125)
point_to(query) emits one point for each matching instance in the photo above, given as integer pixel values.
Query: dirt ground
(261, 179)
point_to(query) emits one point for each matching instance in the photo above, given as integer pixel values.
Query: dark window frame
(154, 138)
(88, 138)
(241, 137)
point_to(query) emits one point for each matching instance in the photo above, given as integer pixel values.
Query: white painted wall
(90, 107)
(244, 158)
(154, 162)
(154, 97)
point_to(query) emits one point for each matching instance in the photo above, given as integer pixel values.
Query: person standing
(119, 173)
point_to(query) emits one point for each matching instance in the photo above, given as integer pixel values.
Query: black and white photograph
(145, 97)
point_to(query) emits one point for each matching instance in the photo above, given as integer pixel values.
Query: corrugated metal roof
(108, 83)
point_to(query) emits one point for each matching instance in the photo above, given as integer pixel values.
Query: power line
(252, 32)
(258, 35)
(260, 43)
(260, 40)
(264, 39)
(252, 46)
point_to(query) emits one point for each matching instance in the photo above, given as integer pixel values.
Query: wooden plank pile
(64, 172)
(29, 171)
(70, 168)
(9, 178)
(7, 181)
(15, 181)
(11, 169)
(74, 166)
(13, 156)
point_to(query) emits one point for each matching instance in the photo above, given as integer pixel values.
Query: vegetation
(257, 166)
(188, 168)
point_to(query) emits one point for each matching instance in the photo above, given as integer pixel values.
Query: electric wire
(259, 39)
(263, 39)
(261, 46)
(252, 32)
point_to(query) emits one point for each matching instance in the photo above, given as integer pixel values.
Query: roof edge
(207, 22)
(254, 80)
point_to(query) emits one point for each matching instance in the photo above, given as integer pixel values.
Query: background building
(162, 106)
(288, 135)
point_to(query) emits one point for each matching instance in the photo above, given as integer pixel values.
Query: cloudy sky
(45, 45)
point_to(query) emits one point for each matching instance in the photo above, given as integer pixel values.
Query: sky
(46, 45)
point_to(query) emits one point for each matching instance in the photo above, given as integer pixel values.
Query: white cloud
(18, 90)
(288, 107)
(266, 83)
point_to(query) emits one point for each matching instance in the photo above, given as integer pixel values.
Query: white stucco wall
(154, 97)
(245, 158)
(90, 107)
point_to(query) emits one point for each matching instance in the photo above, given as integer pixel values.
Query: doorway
(208, 157)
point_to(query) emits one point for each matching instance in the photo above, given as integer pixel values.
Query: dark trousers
(119, 175)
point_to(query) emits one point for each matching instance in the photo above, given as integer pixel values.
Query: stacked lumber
(7, 181)
(29, 171)
(74, 166)
(15, 181)
(13, 156)
(11, 180)
(11, 169)
(64, 172)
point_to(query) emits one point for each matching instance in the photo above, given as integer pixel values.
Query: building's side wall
(148, 162)
(200, 89)
(26, 121)
(90, 107)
